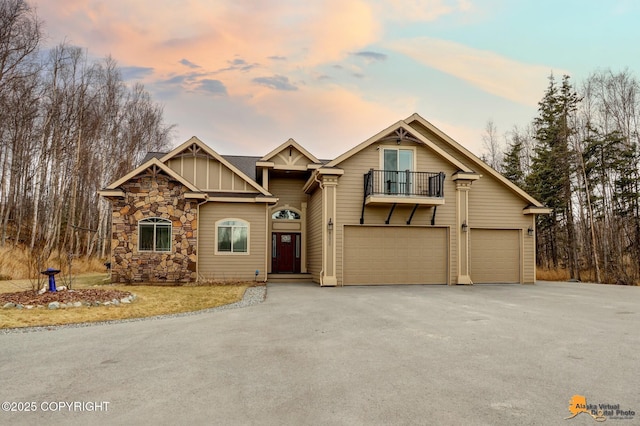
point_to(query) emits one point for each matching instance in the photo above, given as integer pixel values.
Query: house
(407, 206)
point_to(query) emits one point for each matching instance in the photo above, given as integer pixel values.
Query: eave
(536, 210)
(115, 193)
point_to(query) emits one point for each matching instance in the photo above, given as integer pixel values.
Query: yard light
(530, 231)
(464, 226)
(330, 225)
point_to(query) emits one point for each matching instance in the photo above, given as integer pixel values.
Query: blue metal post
(50, 272)
(52, 283)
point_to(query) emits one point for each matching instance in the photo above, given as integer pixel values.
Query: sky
(244, 76)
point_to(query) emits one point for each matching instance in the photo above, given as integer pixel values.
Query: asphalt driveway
(484, 354)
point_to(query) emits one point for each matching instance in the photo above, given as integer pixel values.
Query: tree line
(69, 125)
(580, 157)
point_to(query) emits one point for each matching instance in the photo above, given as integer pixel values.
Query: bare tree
(68, 126)
(491, 144)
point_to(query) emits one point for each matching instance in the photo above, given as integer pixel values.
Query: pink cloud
(489, 71)
(423, 10)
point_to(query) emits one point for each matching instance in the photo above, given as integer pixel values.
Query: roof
(196, 143)
(464, 152)
(152, 163)
(246, 164)
(405, 130)
(286, 145)
(151, 155)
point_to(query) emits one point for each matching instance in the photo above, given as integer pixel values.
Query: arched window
(154, 234)
(232, 236)
(285, 214)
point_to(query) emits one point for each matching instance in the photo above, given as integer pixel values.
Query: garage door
(494, 255)
(394, 255)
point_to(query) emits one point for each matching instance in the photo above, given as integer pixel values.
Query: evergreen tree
(550, 180)
(512, 163)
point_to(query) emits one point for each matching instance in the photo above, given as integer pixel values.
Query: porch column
(303, 231)
(330, 184)
(463, 185)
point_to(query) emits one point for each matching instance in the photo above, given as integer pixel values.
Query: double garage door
(414, 255)
(395, 255)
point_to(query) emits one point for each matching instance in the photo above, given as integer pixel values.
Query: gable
(151, 167)
(209, 171)
(209, 174)
(453, 148)
(290, 156)
(399, 133)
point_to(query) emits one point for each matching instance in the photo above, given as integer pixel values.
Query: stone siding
(149, 196)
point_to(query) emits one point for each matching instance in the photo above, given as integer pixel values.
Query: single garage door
(494, 255)
(394, 255)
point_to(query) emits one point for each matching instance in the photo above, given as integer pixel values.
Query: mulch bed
(89, 295)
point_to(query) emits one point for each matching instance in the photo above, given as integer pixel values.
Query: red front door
(285, 252)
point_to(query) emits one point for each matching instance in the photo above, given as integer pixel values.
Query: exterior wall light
(330, 225)
(464, 226)
(530, 231)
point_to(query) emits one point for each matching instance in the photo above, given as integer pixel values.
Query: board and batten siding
(350, 195)
(208, 174)
(232, 267)
(314, 235)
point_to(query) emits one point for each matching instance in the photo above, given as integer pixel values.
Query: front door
(285, 252)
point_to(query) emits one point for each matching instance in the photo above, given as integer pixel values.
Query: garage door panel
(394, 255)
(494, 255)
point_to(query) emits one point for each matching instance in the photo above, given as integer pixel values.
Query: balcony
(403, 187)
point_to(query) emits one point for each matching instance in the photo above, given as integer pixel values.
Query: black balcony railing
(404, 183)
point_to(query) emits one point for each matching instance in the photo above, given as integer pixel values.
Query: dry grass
(151, 301)
(586, 275)
(544, 274)
(15, 263)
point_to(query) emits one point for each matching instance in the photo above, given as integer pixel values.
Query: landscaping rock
(65, 299)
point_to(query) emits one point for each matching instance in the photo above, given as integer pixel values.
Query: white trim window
(397, 163)
(285, 214)
(232, 236)
(154, 234)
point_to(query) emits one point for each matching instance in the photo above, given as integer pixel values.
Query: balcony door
(398, 165)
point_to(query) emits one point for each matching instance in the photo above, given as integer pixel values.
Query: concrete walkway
(466, 355)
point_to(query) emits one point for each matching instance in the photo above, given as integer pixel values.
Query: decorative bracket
(393, 207)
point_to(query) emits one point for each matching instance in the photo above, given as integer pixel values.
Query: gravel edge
(252, 296)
